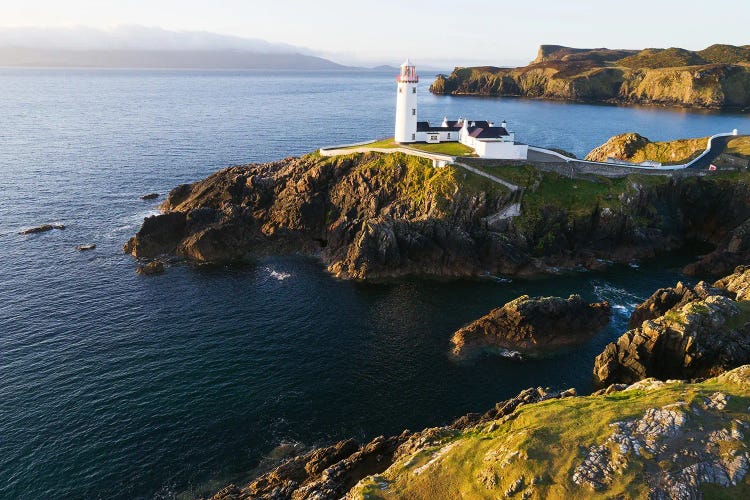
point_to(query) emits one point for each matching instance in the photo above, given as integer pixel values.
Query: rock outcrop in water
(533, 325)
(682, 333)
(42, 229)
(715, 78)
(379, 216)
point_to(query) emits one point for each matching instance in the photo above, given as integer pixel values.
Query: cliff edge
(372, 216)
(717, 77)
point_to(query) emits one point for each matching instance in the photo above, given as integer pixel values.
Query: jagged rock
(153, 267)
(376, 216)
(83, 248)
(666, 299)
(150, 196)
(696, 455)
(533, 324)
(737, 283)
(699, 339)
(42, 229)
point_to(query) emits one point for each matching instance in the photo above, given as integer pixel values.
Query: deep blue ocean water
(114, 385)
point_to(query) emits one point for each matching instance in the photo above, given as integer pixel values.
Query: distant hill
(166, 59)
(717, 77)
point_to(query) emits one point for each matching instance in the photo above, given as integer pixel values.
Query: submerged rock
(83, 248)
(153, 267)
(42, 229)
(534, 324)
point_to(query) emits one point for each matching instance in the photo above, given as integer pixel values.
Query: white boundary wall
(625, 165)
(443, 160)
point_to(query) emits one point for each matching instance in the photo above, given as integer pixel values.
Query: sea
(116, 385)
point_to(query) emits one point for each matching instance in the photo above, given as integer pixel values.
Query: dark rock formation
(534, 324)
(665, 299)
(330, 472)
(732, 250)
(673, 77)
(381, 216)
(150, 196)
(42, 229)
(153, 267)
(683, 333)
(83, 248)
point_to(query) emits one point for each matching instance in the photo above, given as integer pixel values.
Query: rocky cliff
(533, 325)
(683, 332)
(717, 77)
(648, 440)
(378, 216)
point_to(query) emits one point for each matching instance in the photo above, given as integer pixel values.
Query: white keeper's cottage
(487, 140)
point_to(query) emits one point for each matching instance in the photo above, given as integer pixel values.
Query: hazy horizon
(353, 33)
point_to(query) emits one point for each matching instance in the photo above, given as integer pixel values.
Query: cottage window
(400, 90)
(413, 111)
(449, 135)
(413, 137)
(414, 90)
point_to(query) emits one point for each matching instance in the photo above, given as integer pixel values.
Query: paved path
(491, 177)
(718, 145)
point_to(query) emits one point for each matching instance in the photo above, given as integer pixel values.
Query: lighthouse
(406, 104)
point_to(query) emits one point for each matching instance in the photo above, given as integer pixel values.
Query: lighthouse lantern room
(406, 104)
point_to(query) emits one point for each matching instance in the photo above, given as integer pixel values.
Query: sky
(434, 32)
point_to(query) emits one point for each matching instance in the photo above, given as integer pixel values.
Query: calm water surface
(114, 385)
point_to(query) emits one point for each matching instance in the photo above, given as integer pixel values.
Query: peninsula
(717, 77)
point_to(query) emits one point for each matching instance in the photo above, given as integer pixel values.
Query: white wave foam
(278, 276)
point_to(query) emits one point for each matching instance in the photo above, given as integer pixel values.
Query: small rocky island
(533, 326)
(716, 77)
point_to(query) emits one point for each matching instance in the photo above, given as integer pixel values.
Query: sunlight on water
(114, 385)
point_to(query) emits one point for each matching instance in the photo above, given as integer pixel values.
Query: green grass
(739, 145)
(446, 148)
(551, 439)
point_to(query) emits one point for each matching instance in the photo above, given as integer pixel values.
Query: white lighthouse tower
(406, 104)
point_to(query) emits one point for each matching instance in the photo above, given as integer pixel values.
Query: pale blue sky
(430, 32)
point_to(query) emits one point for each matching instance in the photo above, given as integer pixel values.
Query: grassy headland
(717, 77)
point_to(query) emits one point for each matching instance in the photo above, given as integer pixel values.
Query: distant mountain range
(163, 59)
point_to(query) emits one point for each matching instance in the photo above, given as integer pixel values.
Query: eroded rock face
(699, 339)
(378, 216)
(673, 434)
(665, 299)
(732, 250)
(531, 325)
(737, 283)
